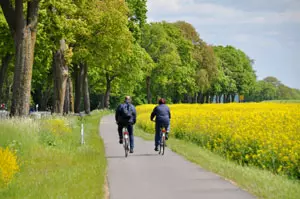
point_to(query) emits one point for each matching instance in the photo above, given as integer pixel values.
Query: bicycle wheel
(126, 141)
(163, 143)
(126, 148)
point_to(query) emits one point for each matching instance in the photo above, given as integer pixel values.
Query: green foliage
(271, 88)
(137, 17)
(124, 52)
(237, 68)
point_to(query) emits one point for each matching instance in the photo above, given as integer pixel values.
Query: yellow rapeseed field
(8, 165)
(260, 134)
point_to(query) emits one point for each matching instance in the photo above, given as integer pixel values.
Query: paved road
(146, 175)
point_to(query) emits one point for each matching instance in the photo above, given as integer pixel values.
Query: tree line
(74, 55)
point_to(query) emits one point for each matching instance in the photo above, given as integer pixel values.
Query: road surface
(147, 175)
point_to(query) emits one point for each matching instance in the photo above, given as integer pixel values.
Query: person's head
(128, 99)
(161, 101)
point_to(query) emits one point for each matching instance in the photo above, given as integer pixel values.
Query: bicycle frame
(126, 141)
(162, 140)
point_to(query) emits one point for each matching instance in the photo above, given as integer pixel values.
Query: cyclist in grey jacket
(163, 116)
(127, 122)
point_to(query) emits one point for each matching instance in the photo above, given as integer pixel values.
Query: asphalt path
(147, 175)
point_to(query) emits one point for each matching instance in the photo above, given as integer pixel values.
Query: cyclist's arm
(153, 114)
(117, 113)
(134, 114)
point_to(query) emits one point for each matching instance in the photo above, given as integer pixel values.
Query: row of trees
(74, 55)
(271, 88)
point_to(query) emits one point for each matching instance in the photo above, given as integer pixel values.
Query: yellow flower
(8, 165)
(263, 134)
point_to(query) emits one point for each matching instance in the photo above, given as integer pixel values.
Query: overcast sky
(268, 31)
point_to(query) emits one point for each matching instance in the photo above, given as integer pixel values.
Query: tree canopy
(106, 50)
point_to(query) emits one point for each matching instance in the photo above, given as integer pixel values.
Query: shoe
(121, 141)
(156, 148)
(131, 151)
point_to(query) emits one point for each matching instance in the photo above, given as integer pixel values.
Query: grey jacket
(118, 114)
(162, 114)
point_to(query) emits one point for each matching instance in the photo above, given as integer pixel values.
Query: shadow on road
(134, 155)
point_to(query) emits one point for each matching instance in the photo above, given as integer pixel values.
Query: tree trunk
(45, 99)
(232, 97)
(85, 89)
(190, 99)
(211, 99)
(60, 75)
(24, 33)
(148, 84)
(8, 91)
(78, 87)
(196, 98)
(67, 97)
(201, 98)
(71, 97)
(107, 91)
(101, 102)
(3, 73)
(228, 98)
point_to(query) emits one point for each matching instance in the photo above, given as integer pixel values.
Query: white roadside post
(82, 131)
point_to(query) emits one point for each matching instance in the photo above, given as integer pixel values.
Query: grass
(282, 101)
(262, 184)
(64, 169)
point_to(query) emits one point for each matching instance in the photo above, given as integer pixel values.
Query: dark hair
(162, 101)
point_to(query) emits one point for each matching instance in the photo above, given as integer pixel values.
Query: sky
(268, 31)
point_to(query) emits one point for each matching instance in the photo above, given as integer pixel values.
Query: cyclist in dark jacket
(129, 124)
(163, 116)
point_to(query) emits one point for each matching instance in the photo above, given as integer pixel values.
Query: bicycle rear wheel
(126, 148)
(163, 143)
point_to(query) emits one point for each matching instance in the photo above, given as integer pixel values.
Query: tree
(23, 28)
(204, 61)
(6, 51)
(137, 17)
(237, 68)
(113, 42)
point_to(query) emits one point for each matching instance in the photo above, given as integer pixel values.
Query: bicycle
(125, 140)
(162, 143)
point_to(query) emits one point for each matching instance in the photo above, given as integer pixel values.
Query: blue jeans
(157, 131)
(130, 131)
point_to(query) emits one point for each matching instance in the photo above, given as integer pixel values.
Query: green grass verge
(282, 101)
(262, 184)
(65, 170)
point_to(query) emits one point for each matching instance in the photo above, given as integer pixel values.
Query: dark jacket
(162, 114)
(118, 118)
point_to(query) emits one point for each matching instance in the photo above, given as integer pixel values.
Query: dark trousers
(130, 131)
(157, 131)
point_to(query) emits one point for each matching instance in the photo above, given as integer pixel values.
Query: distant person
(125, 116)
(163, 116)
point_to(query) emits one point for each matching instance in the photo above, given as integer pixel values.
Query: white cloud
(210, 13)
